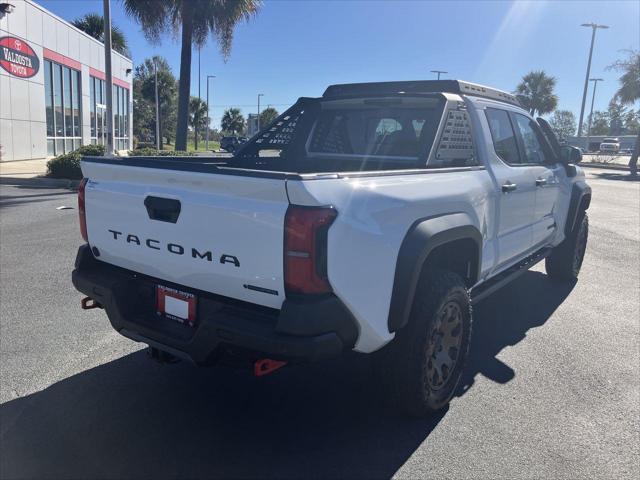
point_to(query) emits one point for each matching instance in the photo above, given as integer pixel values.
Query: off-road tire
(412, 367)
(565, 260)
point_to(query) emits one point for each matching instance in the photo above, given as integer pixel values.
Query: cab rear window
(376, 128)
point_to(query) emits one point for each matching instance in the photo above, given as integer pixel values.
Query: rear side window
(534, 152)
(504, 138)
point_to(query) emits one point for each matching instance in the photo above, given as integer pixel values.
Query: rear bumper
(305, 330)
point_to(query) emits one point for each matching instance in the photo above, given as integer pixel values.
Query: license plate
(176, 305)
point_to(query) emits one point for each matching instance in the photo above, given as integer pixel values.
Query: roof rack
(419, 86)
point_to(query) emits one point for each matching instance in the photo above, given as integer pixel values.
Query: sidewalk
(31, 173)
(23, 168)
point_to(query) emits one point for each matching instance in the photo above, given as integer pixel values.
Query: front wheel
(429, 353)
(565, 260)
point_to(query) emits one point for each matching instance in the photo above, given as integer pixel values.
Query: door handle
(541, 182)
(509, 187)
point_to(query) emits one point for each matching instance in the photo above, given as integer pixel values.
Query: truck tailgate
(227, 237)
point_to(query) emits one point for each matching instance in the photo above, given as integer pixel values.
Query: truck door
(516, 190)
(546, 175)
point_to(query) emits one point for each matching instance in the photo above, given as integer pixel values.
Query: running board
(485, 289)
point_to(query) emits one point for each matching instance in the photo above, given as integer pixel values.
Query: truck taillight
(81, 212)
(305, 249)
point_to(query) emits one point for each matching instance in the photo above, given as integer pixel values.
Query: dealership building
(52, 86)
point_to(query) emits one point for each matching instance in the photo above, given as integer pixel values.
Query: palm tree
(629, 92)
(93, 24)
(233, 121)
(144, 117)
(267, 116)
(196, 19)
(535, 93)
(197, 116)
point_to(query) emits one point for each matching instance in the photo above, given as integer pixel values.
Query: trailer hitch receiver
(89, 303)
(265, 366)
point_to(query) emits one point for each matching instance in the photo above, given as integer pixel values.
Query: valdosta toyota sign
(18, 58)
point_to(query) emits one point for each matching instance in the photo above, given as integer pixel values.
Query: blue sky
(297, 48)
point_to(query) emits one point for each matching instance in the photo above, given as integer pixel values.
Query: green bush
(152, 152)
(90, 150)
(65, 166)
(68, 165)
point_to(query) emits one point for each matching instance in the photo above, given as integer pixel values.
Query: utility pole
(595, 84)
(208, 109)
(594, 27)
(259, 95)
(109, 75)
(155, 64)
(438, 72)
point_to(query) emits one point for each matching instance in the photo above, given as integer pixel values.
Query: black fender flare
(423, 237)
(580, 201)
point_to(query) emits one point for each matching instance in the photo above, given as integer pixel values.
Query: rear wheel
(565, 260)
(428, 355)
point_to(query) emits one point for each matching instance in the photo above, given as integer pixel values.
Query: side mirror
(569, 154)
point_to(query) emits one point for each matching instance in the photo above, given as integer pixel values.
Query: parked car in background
(232, 144)
(229, 144)
(610, 145)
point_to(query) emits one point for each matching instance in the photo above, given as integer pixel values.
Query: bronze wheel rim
(443, 350)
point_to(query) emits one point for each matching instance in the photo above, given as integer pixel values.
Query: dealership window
(62, 103)
(98, 99)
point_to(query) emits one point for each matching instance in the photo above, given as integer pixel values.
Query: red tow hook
(88, 303)
(265, 366)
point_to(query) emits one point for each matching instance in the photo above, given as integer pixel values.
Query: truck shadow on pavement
(133, 418)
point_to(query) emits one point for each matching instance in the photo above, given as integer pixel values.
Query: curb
(612, 166)
(42, 182)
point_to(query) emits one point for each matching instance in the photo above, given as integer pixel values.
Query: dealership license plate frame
(176, 305)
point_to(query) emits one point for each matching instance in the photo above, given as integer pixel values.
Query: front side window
(376, 128)
(532, 147)
(504, 138)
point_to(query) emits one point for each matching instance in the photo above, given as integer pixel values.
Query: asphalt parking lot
(552, 388)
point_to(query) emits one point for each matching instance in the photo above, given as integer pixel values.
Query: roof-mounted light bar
(419, 86)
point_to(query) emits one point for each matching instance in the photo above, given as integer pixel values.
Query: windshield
(397, 128)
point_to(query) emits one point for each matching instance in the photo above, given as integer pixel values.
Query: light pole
(208, 108)
(438, 72)
(108, 73)
(195, 117)
(594, 27)
(155, 64)
(259, 95)
(595, 84)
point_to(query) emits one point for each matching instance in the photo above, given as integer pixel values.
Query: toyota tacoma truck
(370, 219)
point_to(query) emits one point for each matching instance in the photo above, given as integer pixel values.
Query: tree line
(193, 21)
(536, 93)
(196, 20)
(233, 121)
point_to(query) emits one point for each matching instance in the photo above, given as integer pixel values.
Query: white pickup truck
(370, 219)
